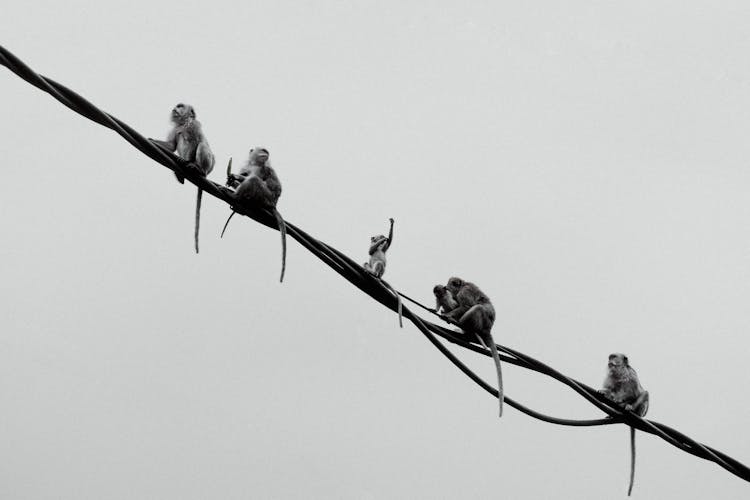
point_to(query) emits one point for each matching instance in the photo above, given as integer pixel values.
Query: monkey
(379, 245)
(474, 313)
(258, 183)
(444, 300)
(624, 388)
(186, 137)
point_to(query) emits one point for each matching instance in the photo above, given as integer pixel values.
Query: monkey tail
(398, 299)
(400, 316)
(227, 223)
(282, 230)
(632, 459)
(500, 392)
(198, 216)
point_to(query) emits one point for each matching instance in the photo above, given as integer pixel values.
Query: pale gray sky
(585, 163)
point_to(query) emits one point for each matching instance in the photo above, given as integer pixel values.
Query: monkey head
(181, 113)
(618, 363)
(258, 156)
(377, 241)
(454, 285)
(439, 290)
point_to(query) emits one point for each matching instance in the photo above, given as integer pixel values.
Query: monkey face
(617, 362)
(439, 290)
(259, 156)
(181, 112)
(376, 242)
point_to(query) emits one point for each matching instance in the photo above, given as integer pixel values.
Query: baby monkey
(444, 300)
(623, 387)
(465, 305)
(379, 245)
(258, 183)
(186, 137)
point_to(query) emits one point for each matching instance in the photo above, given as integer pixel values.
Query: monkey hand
(628, 407)
(447, 319)
(180, 176)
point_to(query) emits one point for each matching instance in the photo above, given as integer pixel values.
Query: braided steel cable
(374, 287)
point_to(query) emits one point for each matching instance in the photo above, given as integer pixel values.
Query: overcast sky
(585, 163)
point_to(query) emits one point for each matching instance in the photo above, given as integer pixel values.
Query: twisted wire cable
(375, 288)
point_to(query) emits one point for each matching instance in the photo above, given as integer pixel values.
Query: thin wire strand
(353, 273)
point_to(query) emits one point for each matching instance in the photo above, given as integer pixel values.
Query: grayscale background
(585, 163)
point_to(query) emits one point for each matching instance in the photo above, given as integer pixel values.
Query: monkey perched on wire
(187, 139)
(379, 245)
(258, 183)
(465, 305)
(624, 388)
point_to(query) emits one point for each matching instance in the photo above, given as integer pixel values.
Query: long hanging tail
(632, 459)
(227, 223)
(398, 299)
(282, 229)
(400, 320)
(496, 357)
(198, 217)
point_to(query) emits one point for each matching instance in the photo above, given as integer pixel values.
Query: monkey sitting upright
(258, 183)
(623, 387)
(186, 137)
(379, 245)
(471, 310)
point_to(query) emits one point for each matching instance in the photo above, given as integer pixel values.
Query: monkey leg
(253, 188)
(457, 313)
(204, 158)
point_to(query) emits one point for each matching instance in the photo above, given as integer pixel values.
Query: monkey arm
(170, 143)
(234, 180)
(455, 314)
(390, 238)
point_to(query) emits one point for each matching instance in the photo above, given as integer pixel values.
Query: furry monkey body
(379, 245)
(623, 387)
(258, 183)
(473, 313)
(187, 139)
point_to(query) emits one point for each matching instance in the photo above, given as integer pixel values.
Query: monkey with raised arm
(475, 313)
(623, 387)
(258, 183)
(379, 245)
(186, 137)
